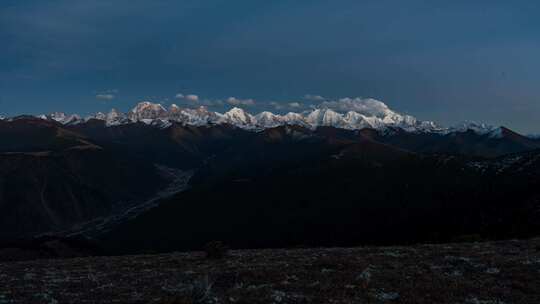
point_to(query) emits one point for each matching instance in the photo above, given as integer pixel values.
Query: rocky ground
(477, 273)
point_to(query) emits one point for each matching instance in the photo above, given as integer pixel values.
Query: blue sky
(446, 61)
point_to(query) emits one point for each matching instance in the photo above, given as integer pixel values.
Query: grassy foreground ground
(476, 273)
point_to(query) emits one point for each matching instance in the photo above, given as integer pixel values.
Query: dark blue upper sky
(446, 61)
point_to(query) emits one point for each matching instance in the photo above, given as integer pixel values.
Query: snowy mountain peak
(497, 133)
(174, 108)
(64, 118)
(73, 119)
(357, 121)
(98, 116)
(147, 110)
(292, 118)
(58, 116)
(479, 128)
(266, 115)
(198, 117)
(268, 119)
(238, 116)
(114, 118)
(325, 117)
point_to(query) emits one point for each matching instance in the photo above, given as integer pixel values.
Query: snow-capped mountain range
(375, 115)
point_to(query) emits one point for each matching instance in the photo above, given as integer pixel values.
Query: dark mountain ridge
(288, 185)
(349, 193)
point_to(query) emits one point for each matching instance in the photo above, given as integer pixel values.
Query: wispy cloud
(276, 105)
(192, 97)
(295, 105)
(314, 97)
(105, 97)
(188, 97)
(288, 105)
(367, 106)
(212, 103)
(240, 102)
